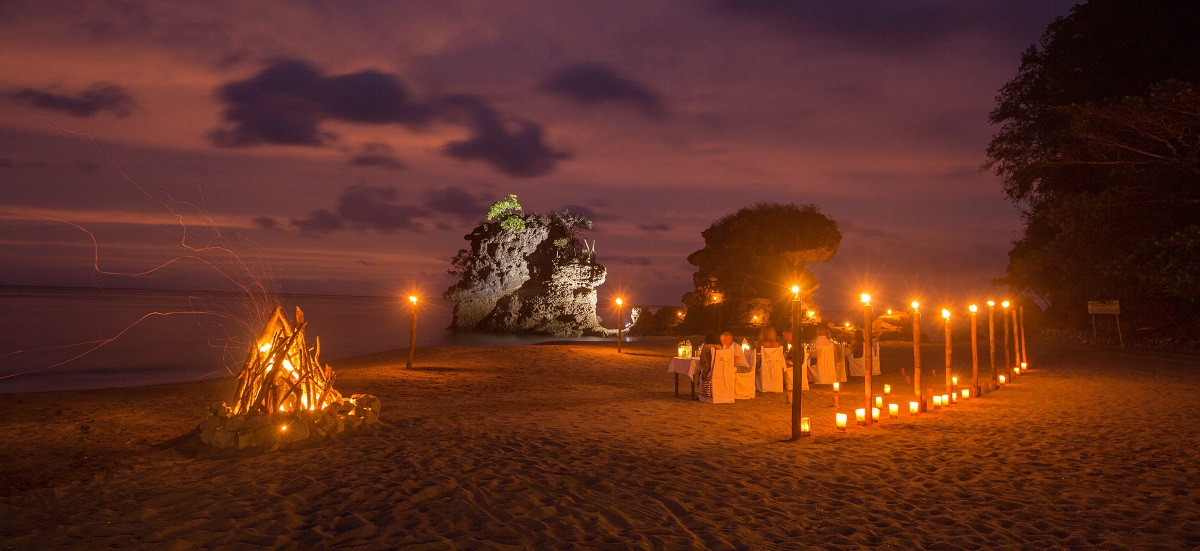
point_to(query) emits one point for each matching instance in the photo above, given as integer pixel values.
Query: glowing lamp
(283, 428)
(805, 429)
(879, 401)
(914, 408)
(1024, 367)
(1003, 379)
(945, 313)
(945, 399)
(875, 414)
(953, 397)
(811, 314)
(1005, 304)
(860, 415)
(745, 346)
(893, 410)
(887, 389)
(847, 324)
(795, 290)
(966, 394)
(991, 303)
(915, 305)
(619, 302)
(973, 308)
(937, 402)
(837, 387)
(1016, 371)
(889, 311)
(865, 298)
(954, 381)
(841, 422)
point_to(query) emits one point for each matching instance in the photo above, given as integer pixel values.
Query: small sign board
(1109, 307)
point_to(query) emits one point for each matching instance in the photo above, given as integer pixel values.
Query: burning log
(284, 395)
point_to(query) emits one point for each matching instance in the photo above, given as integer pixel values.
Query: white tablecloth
(684, 366)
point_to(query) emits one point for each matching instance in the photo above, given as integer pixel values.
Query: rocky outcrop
(539, 280)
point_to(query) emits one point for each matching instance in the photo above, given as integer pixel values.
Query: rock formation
(528, 274)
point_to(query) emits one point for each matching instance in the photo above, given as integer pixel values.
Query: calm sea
(59, 339)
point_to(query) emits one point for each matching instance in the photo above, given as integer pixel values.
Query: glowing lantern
(893, 410)
(879, 401)
(875, 414)
(841, 421)
(805, 429)
(937, 402)
(914, 408)
(860, 415)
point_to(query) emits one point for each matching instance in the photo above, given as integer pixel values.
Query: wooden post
(620, 324)
(992, 338)
(676, 384)
(1007, 358)
(949, 384)
(917, 355)
(1016, 342)
(868, 360)
(974, 352)
(1095, 337)
(412, 333)
(798, 367)
(1024, 353)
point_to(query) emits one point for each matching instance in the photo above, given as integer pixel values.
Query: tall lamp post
(992, 338)
(798, 367)
(916, 320)
(867, 353)
(1016, 328)
(1024, 354)
(620, 323)
(412, 332)
(949, 383)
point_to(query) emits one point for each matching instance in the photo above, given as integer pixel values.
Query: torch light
(974, 348)
(412, 332)
(916, 323)
(620, 323)
(946, 316)
(868, 361)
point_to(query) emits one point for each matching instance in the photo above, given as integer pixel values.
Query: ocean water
(60, 339)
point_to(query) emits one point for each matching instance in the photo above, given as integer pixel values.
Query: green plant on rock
(508, 212)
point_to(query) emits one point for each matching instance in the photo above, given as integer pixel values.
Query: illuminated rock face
(537, 280)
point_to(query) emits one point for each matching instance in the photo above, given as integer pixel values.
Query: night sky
(347, 147)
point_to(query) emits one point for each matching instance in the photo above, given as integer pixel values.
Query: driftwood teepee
(282, 374)
(284, 395)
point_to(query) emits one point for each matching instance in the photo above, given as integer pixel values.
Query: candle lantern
(966, 394)
(860, 415)
(914, 408)
(945, 399)
(875, 414)
(954, 381)
(954, 397)
(841, 422)
(1003, 379)
(879, 401)
(937, 401)
(887, 389)
(893, 410)
(837, 387)
(1024, 366)
(805, 428)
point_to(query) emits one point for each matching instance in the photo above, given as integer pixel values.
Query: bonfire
(285, 395)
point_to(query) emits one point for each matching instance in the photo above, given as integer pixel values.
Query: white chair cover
(744, 382)
(724, 375)
(825, 372)
(856, 364)
(770, 375)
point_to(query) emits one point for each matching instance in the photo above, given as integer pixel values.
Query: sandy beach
(558, 446)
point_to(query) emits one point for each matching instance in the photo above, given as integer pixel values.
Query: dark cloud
(319, 221)
(101, 97)
(286, 102)
(633, 260)
(458, 202)
(266, 223)
(593, 83)
(379, 155)
(652, 228)
(364, 208)
(12, 163)
(520, 152)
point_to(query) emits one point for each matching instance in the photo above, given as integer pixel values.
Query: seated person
(739, 356)
(711, 342)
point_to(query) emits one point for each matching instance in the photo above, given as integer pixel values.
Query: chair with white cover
(825, 372)
(856, 364)
(770, 376)
(723, 378)
(744, 382)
